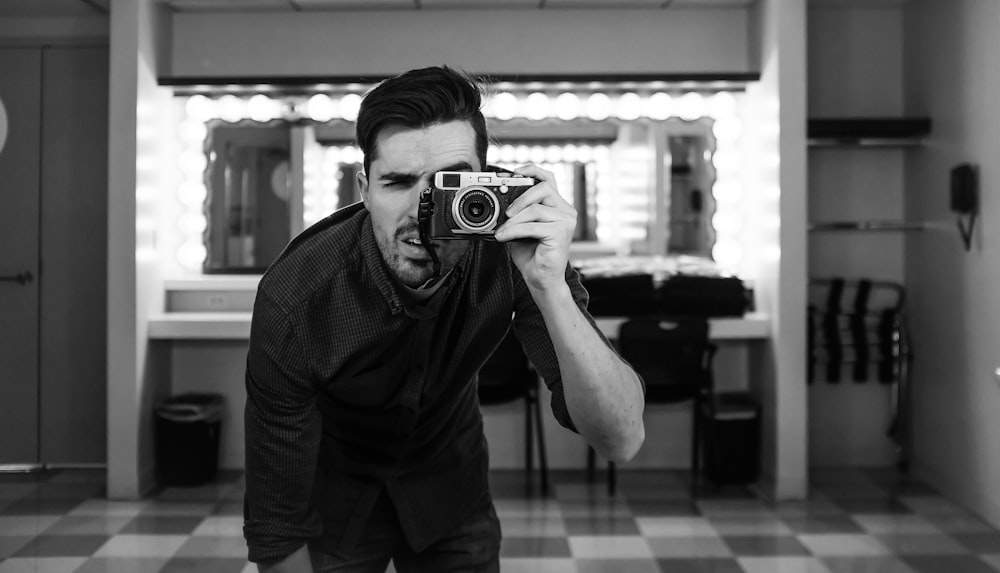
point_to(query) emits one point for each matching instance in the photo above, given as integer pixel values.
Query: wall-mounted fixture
(964, 197)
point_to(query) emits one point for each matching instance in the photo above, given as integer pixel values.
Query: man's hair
(417, 99)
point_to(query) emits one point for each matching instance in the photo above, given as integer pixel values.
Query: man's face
(404, 165)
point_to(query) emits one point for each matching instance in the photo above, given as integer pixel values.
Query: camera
(469, 205)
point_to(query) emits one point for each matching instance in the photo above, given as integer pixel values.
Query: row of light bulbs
(722, 107)
(505, 105)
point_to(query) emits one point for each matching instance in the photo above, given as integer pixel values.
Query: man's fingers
(544, 191)
(538, 222)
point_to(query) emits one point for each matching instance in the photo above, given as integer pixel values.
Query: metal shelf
(883, 225)
(878, 142)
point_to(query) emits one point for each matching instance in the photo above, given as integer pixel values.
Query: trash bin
(732, 438)
(187, 438)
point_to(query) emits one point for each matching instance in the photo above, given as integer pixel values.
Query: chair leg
(696, 443)
(543, 462)
(529, 455)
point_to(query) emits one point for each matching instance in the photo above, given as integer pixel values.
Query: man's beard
(410, 272)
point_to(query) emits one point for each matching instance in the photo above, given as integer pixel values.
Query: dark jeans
(473, 547)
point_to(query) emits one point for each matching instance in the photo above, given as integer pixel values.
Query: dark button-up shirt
(352, 391)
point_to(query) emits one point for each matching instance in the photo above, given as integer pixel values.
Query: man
(364, 440)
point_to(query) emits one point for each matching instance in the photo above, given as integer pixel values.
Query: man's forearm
(603, 395)
(297, 562)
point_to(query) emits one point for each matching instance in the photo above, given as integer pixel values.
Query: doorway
(53, 256)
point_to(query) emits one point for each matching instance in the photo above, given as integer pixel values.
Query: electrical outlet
(216, 301)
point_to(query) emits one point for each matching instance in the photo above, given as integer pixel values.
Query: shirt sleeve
(530, 329)
(282, 429)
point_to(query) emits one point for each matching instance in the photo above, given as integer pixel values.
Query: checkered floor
(855, 521)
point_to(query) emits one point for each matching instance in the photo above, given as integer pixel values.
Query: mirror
(639, 187)
(248, 203)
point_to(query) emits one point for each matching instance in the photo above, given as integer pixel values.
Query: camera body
(469, 204)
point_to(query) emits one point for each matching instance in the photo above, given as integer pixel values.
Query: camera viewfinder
(451, 180)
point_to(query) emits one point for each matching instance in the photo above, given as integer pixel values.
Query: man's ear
(362, 185)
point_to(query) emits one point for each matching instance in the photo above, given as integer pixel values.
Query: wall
(138, 372)
(372, 43)
(855, 70)
(777, 146)
(54, 31)
(952, 75)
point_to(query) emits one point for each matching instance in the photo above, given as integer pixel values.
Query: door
(73, 287)
(53, 256)
(20, 196)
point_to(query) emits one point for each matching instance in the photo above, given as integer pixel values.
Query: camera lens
(475, 209)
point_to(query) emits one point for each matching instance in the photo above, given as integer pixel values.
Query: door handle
(20, 278)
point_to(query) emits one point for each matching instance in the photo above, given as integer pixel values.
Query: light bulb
(691, 106)
(508, 154)
(193, 131)
(350, 155)
(192, 193)
(504, 105)
(659, 106)
(569, 153)
(321, 108)
(537, 106)
(262, 108)
(231, 108)
(553, 154)
(350, 104)
(191, 254)
(598, 106)
(722, 104)
(200, 108)
(192, 163)
(629, 106)
(192, 223)
(567, 106)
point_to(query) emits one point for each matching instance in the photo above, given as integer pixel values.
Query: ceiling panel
(521, 4)
(711, 3)
(354, 4)
(52, 8)
(228, 5)
(605, 3)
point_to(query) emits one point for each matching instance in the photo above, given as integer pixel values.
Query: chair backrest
(507, 374)
(673, 356)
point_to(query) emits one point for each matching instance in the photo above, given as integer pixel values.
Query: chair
(508, 376)
(674, 358)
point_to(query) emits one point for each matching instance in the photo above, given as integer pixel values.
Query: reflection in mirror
(248, 202)
(691, 203)
(639, 187)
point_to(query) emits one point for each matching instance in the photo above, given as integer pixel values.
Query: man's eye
(397, 183)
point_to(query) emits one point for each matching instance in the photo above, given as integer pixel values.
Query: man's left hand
(540, 228)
